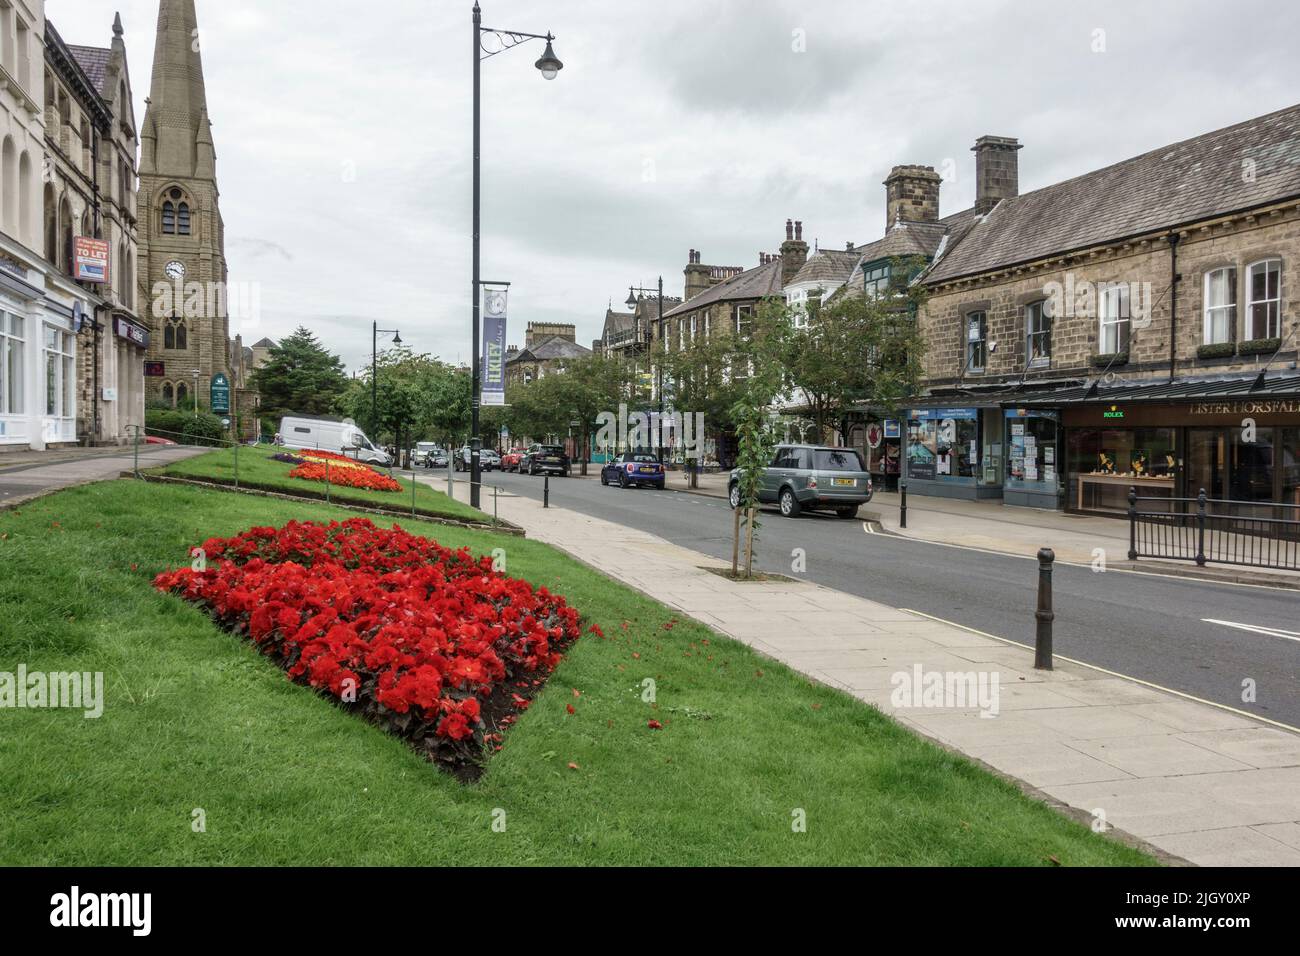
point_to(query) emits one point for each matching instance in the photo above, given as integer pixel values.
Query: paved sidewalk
(32, 474)
(1196, 781)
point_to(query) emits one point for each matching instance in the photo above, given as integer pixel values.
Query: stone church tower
(182, 237)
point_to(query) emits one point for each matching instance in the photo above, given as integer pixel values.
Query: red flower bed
(430, 644)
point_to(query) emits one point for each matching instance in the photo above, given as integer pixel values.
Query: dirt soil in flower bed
(427, 643)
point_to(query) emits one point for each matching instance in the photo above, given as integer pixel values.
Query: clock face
(175, 270)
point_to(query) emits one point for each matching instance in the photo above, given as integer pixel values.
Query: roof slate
(756, 283)
(93, 61)
(1186, 182)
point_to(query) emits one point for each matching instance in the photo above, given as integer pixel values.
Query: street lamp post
(659, 371)
(196, 392)
(374, 368)
(550, 66)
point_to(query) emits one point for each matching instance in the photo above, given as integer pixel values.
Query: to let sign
(220, 393)
(90, 260)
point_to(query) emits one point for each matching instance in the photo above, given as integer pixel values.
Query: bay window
(60, 374)
(1220, 306)
(11, 363)
(1264, 299)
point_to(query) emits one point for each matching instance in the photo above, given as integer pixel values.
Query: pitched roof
(93, 61)
(264, 344)
(617, 321)
(828, 265)
(556, 347)
(756, 283)
(1189, 181)
(906, 239)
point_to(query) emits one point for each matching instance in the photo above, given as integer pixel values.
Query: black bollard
(1044, 615)
(546, 492)
(902, 506)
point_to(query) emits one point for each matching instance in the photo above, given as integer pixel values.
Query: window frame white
(981, 343)
(1208, 335)
(62, 386)
(1046, 326)
(13, 352)
(1121, 324)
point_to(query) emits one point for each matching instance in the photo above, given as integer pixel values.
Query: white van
(340, 437)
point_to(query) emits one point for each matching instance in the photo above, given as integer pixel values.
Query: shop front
(1243, 451)
(954, 452)
(1033, 458)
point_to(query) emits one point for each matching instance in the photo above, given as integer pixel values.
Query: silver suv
(811, 478)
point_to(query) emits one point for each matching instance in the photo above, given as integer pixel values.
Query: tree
(857, 350)
(300, 377)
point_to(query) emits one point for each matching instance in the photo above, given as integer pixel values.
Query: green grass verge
(194, 718)
(257, 470)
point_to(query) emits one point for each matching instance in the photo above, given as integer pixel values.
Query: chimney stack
(794, 251)
(912, 195)
(697, 275)
(997, 171)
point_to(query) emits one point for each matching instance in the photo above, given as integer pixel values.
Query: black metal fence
(1210, 531)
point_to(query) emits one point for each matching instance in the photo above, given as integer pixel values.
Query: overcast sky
(343, 132)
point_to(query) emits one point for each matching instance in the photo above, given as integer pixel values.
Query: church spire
(177, 96)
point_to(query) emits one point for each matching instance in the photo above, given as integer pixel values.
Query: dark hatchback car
(633, 468)
(545, 459)
(811, 478)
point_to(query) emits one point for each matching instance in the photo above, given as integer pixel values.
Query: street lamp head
(549, 64)
(631, 299)
(397, 338)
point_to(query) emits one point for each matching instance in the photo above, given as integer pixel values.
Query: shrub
(185, 427)
(435, 647)
(1216, 350)
(1259, 346)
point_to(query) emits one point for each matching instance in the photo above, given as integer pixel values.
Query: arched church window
(169, 219)
(168, 393)
(183, 219)
(181, 394)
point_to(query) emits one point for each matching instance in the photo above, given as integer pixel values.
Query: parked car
(423, 451)
(633, 468)
(511, 459)
(487, 459)
(327, 434)
(811, 478)
(546, 459)
(155, 440)
(438, 460)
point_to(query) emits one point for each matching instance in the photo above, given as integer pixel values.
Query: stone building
(545, 344)
(183, 273)
(1134, 326)
(91, 144)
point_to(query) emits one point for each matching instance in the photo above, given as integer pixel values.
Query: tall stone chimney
(912, 194)
(794, 251)
(697, 275)
(997, 171)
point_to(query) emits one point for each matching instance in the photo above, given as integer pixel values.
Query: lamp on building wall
(549, 65)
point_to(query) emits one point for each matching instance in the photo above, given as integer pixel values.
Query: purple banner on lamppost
(493, 360)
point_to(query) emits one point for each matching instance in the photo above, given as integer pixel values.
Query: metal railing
(1211, 531)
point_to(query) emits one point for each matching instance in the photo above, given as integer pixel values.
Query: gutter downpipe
(1174, 278)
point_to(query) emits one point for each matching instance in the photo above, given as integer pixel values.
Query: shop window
(1288, 463)
(1220, 306)
(1113, 309)
(1032, 451)
(1038, 329)
(943, 448)
(1105, 462)
(1264, 299)
(11, 363)
(977, 346)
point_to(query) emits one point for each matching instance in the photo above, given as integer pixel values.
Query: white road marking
(1102, 670)
(1257, 629)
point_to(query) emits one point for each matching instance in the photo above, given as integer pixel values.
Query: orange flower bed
(320, 465)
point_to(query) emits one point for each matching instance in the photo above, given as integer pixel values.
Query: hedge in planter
(1259, 346)
(1216, 350)
(433, 646)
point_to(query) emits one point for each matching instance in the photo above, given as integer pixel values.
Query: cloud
(343, 140)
